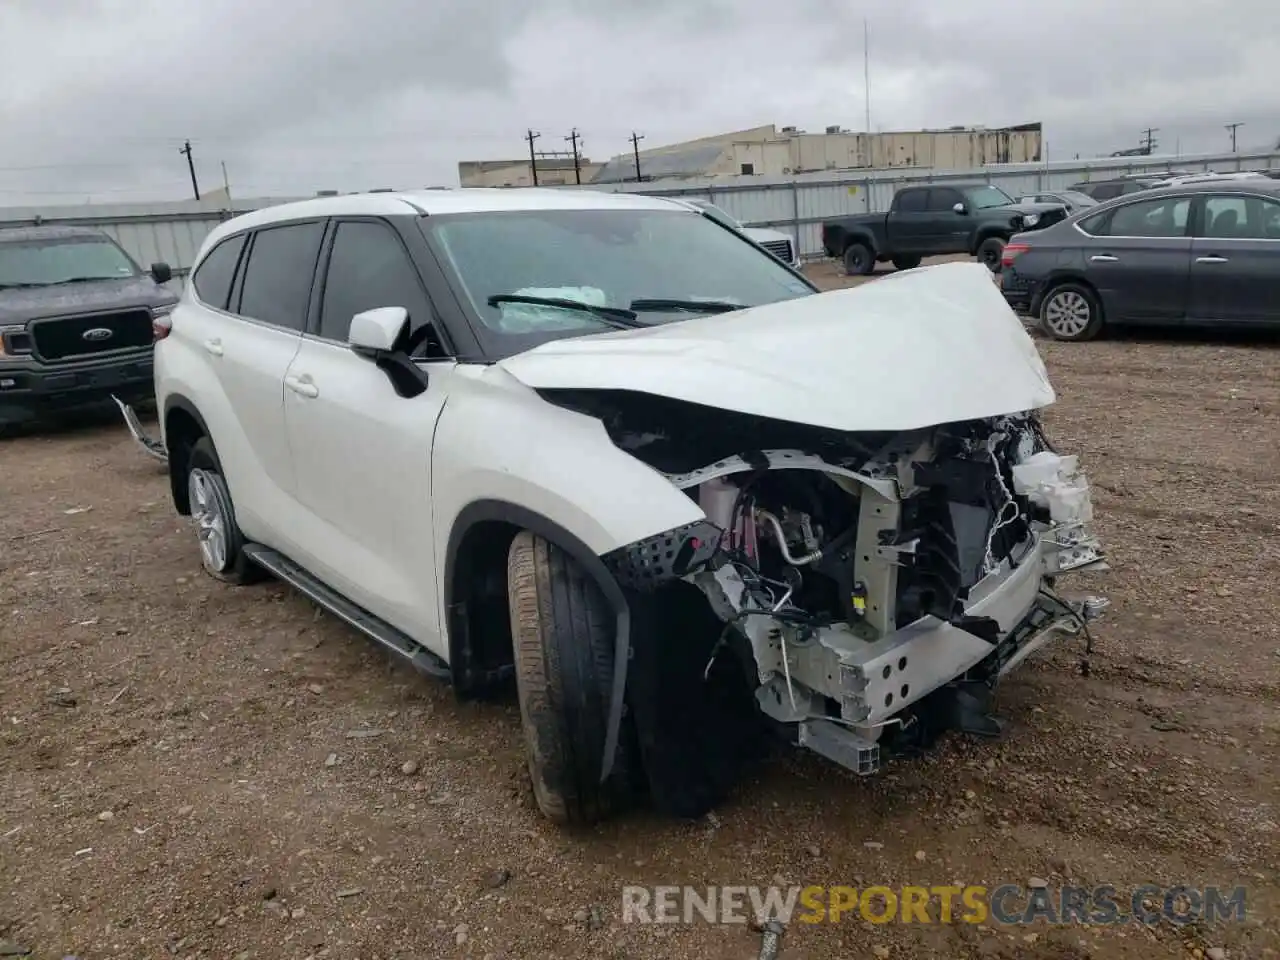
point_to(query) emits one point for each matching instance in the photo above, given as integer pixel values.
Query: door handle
(302, 387)
(214, 346)
(1104, 258)
(1212, 258)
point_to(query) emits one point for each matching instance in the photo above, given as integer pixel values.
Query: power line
(635, 151)
(191, 166)
(1148, 141)
(1232, 127)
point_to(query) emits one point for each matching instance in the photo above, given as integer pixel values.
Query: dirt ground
(189, 769)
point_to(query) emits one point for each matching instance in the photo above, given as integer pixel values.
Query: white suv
(609, 448)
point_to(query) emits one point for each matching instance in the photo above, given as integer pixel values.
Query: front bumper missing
(153, 448)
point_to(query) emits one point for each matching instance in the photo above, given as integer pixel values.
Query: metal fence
(173, 232)
(799, 205)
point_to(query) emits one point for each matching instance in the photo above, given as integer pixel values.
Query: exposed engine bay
(874, 583)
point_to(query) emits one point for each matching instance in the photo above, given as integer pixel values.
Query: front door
(361, 452)
(1235, 261)
(1140, 260)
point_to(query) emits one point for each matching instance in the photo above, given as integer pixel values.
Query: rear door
(250, 344)
(1138, 257)
(361, 452)
(909, 224)
(1235, 262)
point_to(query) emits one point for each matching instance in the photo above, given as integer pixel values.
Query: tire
(906, 263)
(563, 636)
(1072, 312)
(858, 261)
(220, 541)
(989, 253)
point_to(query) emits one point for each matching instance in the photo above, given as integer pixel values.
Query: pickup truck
(926, 221)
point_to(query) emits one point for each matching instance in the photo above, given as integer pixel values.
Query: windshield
(981, 197)
(628, 266)
(47, 262)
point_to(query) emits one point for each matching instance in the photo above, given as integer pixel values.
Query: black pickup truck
(927, 221)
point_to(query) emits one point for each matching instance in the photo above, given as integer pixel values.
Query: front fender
(499, 441)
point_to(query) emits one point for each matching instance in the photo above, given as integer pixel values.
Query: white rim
(211, 523)
(1067, 314)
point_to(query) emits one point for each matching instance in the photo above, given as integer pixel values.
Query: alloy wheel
(1067, 314)
(208, 509)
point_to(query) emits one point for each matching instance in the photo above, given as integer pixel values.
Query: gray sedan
(1204, 254)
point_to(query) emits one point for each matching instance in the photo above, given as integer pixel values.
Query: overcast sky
(97, 96)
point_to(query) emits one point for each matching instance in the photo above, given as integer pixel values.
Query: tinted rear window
(277, 278)
(213, 277)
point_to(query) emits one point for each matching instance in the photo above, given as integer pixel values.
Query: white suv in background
(605, 447)
(780, 244)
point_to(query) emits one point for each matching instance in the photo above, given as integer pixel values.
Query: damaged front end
(877, 586)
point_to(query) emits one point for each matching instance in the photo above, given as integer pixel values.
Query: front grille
(67, 338)
(779, 248)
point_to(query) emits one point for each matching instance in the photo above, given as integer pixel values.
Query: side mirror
(378, 330)
(960, 208)
(161, 272)
(382, 335)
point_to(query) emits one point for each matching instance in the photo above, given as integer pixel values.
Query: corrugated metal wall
(173, 231)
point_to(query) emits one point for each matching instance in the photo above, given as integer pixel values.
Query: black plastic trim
(480, 511)
(670, 555)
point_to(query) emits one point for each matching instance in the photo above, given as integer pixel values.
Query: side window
(368, 268)
(1132, 188)
(910, 201)
(1241, 218)
(1151, 218)
(1107, 191)
(212, 279)
(943, 199)
(277, 278)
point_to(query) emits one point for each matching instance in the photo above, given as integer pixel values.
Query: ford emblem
(97, 333)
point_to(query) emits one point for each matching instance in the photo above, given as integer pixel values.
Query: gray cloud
(96, 97)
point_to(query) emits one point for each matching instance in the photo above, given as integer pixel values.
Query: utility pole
(533, 157)
(575, 138)
(635, 151)
(1231, 127)
(1148, 140)
(866, 71)
(191, 166)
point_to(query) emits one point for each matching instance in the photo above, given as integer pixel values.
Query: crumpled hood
(922, 347)
(20, 304)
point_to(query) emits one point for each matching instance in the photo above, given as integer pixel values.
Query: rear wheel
(563, 634)
(858, 261)
(1071, 311)
(990, 251)
(219, 538)
(906, 263)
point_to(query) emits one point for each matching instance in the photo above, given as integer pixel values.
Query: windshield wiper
(86, 279)
(619, 317)
(19, 286)
(699, 306)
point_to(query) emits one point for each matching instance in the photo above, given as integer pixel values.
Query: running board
(154, 448)
(422, 659)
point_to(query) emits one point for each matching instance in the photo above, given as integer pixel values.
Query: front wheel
(990, 251)
(563, 637)
(1071, 312)
(858, 261)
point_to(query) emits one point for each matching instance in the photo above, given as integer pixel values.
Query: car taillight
(1011, 252)
(161, 322)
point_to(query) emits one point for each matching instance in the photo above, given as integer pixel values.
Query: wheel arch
(985, 233)
(481, 534)
(862, 236)
(181, 426)
(1057, 279)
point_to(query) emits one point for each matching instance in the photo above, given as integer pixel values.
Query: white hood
(917, 348)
